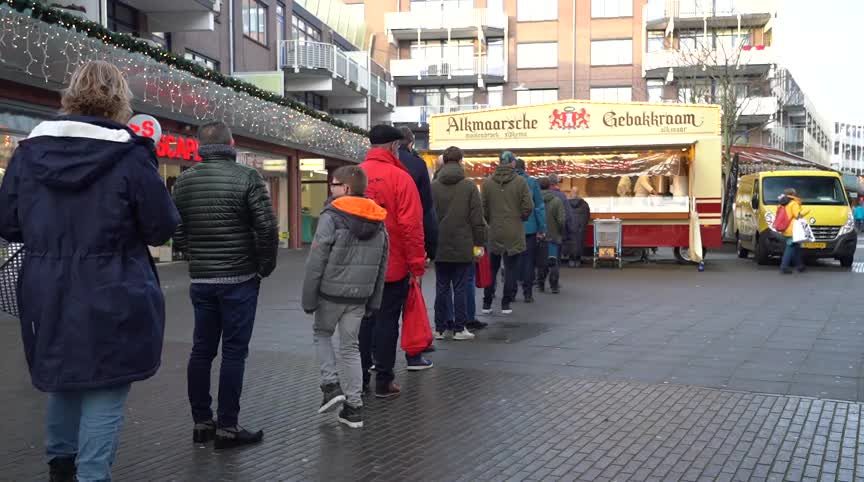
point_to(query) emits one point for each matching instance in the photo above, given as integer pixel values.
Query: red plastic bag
(483, 271)
(416, 331)
(781, 219)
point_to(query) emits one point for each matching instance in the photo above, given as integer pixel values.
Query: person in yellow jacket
(792, 254)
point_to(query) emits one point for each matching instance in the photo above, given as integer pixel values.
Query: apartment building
(797, 127)
(702, 50)
(847, 152)
(451, 55)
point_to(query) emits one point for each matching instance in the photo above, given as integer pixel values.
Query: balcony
(178, 15)
(751, 61)
(441, 72)
(419, 114)
(789, 139)
(758, 107)
(719, 14)
(319, 67)
(435, 23)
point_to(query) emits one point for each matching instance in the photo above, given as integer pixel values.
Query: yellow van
(825, 207)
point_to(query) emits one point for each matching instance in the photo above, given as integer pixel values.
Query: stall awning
(653, 163)
(758, 159)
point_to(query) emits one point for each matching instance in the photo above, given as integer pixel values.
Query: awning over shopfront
(51, 53)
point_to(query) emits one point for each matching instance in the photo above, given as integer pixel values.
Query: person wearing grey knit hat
(506, 203)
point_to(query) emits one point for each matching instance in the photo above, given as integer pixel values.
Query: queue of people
(93, 311)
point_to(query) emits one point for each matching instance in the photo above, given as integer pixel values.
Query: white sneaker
(440, 335)
(463, 335)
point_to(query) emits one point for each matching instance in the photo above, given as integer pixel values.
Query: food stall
(656, 167)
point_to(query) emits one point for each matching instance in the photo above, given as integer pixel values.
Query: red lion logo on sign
(569, 118)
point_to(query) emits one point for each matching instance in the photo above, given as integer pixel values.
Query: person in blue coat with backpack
(535, 229)
(84, 195)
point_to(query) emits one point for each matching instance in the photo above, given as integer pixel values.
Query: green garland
(132, 44)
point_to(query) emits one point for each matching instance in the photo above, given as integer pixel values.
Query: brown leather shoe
(391, 390)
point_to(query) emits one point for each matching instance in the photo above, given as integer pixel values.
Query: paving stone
(505, 407)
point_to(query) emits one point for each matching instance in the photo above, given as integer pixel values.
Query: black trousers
(511, 276)
(380, 332)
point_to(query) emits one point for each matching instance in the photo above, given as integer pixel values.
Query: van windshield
(813, 190)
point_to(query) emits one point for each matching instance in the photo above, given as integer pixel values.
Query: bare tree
(716, 73)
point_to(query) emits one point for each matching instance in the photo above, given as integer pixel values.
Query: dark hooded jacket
(85, 197)
(460, 215)
(507, 204)
(556, 217)
(348, 259)
(420, 174)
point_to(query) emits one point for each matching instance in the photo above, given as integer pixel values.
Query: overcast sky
(822, 44)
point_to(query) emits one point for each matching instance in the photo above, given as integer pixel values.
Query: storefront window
(627, 182)
(314, 194)
(8, 144)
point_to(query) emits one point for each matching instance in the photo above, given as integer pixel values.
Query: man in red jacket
(391, 186)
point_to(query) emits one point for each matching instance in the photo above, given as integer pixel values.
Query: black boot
(62, 469)
(236, 436)
(203, 432)
(333, 397)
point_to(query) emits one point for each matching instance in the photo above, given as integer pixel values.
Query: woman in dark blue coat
(83, 194)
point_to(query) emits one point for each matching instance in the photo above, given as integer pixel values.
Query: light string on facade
(51, 52)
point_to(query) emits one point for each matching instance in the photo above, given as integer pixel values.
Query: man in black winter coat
(581, 217)
(230, 234)
(420, 173)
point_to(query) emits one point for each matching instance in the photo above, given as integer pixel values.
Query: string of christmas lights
(51, 52)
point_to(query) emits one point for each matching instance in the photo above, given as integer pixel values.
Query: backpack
(781, 219)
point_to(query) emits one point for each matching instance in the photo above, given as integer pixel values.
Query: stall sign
(572, 122)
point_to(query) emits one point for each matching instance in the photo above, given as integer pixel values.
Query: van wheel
(847, 261)
(742, 251)
(761, 254)
(683, 255)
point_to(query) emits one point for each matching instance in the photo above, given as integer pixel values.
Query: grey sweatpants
(328, 317)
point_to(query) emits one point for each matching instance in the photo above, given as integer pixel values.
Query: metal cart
(607, 241)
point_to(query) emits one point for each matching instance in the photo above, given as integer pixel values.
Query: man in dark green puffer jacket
(230, 234)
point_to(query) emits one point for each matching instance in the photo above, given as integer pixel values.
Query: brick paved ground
(605, 382)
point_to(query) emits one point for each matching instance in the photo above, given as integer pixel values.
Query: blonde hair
(99, 89)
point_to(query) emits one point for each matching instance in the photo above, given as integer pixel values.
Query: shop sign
(168, 146)
(312, 164)
(178, 147)
(560, 124)
(276, 165)
(146, 126)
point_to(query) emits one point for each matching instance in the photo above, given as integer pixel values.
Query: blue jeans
(471, 293)
(791, 256)
(226, 313)
(451, 281)
(86, 426)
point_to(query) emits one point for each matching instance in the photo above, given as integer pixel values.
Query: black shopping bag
(11, 261)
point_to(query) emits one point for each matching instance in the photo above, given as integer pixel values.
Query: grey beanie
(507, 157)
(553, 179)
